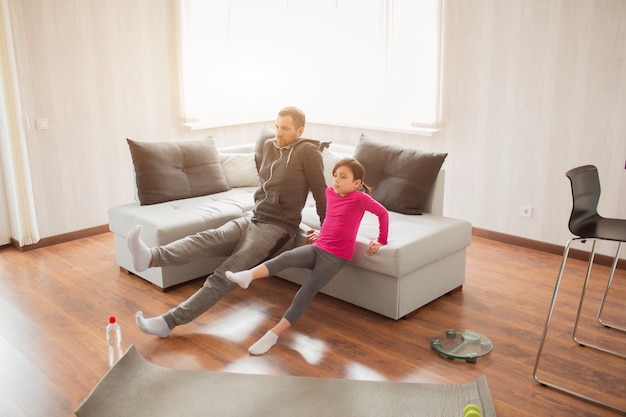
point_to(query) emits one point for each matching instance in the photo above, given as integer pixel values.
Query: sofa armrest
(434, 204)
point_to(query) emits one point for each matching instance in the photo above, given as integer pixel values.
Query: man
(290, 167)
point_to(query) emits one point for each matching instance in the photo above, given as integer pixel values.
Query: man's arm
(314, 173)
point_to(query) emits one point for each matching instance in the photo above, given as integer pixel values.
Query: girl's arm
(373, 247)
(381, 212)
(312, 235)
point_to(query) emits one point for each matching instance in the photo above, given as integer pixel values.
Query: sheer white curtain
(15, 166)
(349, 62)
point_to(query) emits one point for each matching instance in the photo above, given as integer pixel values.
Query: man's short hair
(296, 114)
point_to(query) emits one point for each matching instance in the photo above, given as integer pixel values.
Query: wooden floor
(55, 303)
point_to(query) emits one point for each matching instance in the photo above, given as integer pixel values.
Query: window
(346, 62)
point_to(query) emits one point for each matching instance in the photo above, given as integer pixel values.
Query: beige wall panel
(530, 89)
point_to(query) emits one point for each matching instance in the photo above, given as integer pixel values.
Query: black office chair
(586, 224)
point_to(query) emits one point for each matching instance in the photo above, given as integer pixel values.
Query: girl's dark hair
(358, 172)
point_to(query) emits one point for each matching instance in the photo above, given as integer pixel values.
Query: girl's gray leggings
(324, 266)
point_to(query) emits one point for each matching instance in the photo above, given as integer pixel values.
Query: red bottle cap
(112, 319)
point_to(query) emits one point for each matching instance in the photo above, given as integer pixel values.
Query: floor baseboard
(65, 237)
(545, 247)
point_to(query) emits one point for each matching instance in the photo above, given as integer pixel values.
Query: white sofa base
(390, 296)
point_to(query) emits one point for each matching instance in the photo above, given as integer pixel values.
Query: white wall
(531, 89)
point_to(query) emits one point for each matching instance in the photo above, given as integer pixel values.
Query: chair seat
(602, 228)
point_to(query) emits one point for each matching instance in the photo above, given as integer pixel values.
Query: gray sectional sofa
(423, 260)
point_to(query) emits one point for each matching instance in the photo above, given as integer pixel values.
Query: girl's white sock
(242, 278)
(156, 326)
(139, 250)
(264, 344)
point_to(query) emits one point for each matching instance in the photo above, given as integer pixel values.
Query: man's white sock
(264, 344)
(140, 251)
(242, 278)
(156, 326)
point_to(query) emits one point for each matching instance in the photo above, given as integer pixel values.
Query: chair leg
(545, 332)
(582, 297)
(549, 317)
(606, 291)
(592, 254)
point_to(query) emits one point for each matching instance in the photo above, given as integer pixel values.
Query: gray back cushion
(402, 178)
(166, 171)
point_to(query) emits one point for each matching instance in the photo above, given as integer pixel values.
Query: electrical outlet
(42, 124)
(526, 211)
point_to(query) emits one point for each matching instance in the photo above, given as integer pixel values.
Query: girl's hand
(373, 247)
(312, 236)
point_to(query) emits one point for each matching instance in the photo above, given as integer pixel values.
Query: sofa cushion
(413, 242)
(330, 158)
(166, 171)
(240, 169)
(171, 220)
(401, 177)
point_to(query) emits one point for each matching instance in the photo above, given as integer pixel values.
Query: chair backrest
(585, 195)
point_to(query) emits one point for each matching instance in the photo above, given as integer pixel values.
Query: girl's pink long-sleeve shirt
(343, 217)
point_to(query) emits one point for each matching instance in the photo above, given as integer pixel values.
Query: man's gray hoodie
(287, 174)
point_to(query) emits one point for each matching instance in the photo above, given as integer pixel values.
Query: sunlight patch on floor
(237, 326)
(311, 349)
(361, 372)
(425, 376)
(251, 365)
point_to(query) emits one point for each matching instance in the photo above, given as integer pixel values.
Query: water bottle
(114, 340)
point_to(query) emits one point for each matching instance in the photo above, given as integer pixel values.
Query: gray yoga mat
(135, 387)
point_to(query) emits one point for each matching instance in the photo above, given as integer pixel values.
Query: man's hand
(373, 247)
(312, 236)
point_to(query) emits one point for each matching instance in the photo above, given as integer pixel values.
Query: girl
(331, 248)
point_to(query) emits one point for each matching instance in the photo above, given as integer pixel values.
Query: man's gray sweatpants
(250, 242)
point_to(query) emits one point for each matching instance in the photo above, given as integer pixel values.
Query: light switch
(42, 124)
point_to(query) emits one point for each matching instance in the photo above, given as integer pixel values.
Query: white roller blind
(346, 62)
